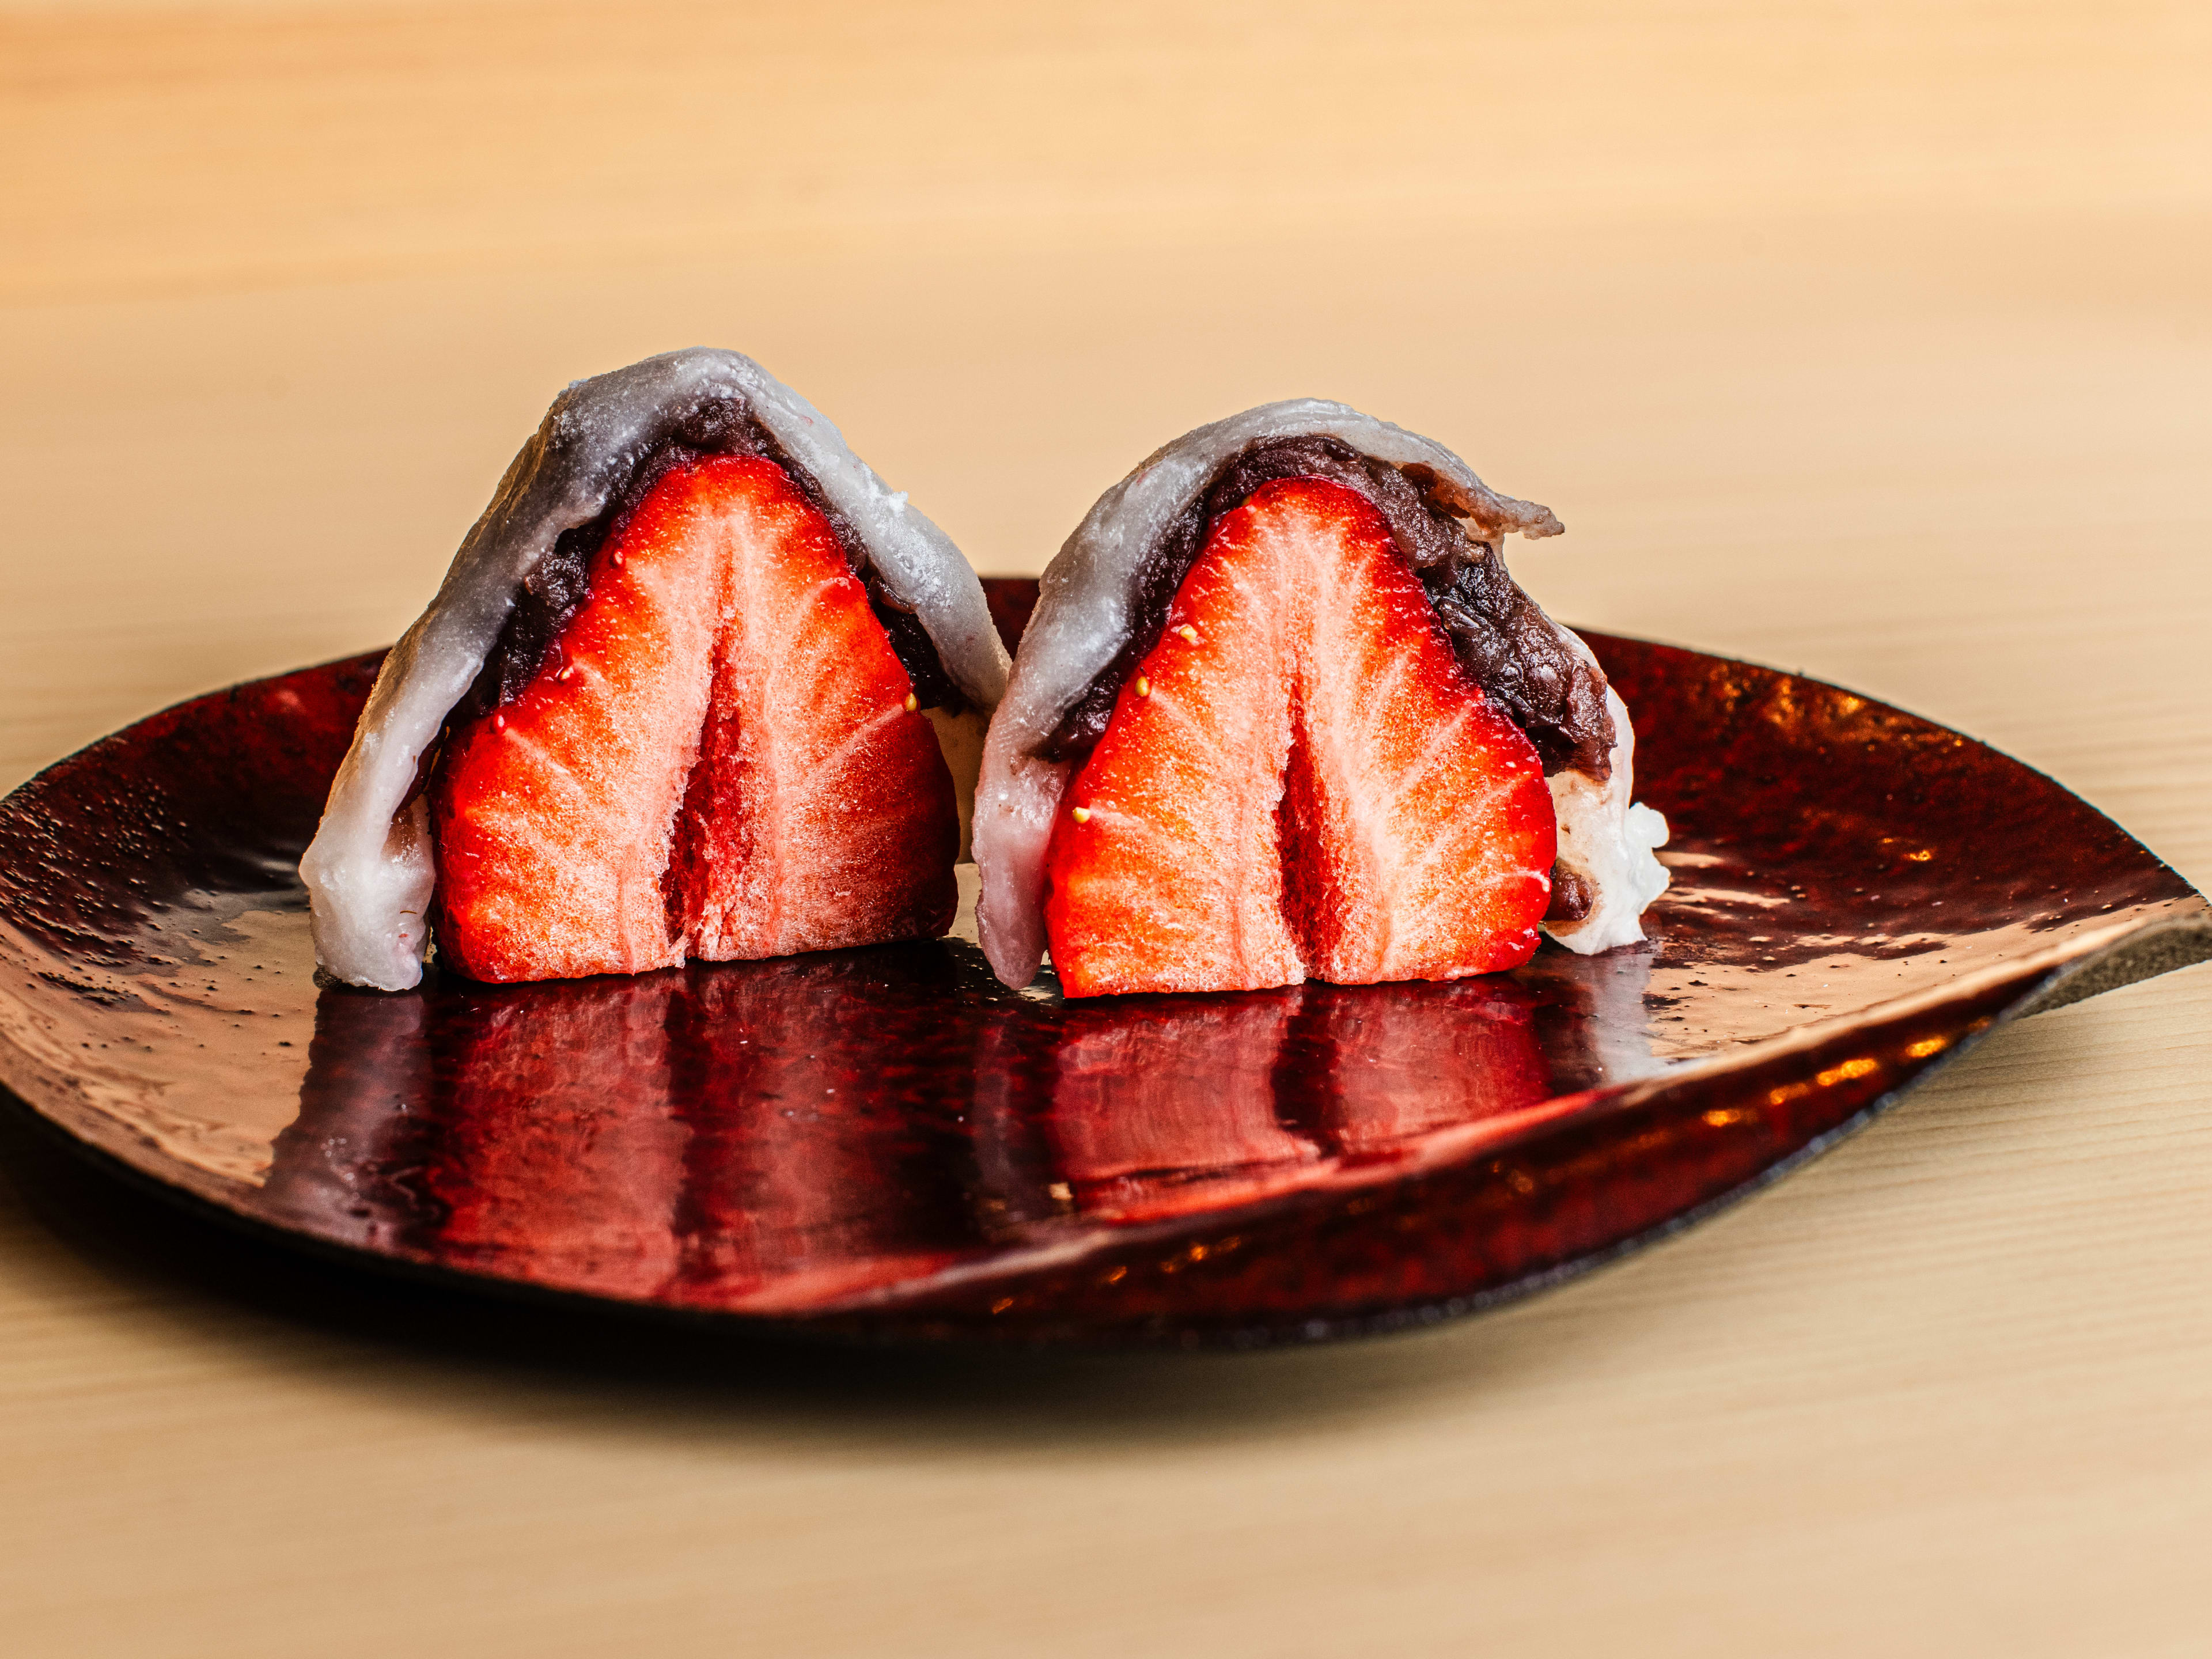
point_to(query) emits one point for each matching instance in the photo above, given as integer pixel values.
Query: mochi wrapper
(1104, 600)
(370, 870)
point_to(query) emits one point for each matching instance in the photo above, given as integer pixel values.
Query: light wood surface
(1873, 340)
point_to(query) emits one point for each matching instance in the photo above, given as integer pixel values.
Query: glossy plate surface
(888, 1143)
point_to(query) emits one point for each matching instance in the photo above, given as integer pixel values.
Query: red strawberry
(717, 760)
(1298, 779)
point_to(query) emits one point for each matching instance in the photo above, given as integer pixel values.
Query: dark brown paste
(1573, 895)
(1504, 643)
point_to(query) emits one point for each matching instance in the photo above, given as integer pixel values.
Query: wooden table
(1870, 340)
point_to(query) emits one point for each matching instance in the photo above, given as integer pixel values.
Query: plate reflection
(791, 1134)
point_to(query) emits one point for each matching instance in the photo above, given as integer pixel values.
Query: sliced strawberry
(552, 815)
(821, 814)
(1171, 880)
(1298, 779)
(717, 759)
(1422, 831)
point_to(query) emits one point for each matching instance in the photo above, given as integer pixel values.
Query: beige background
(1873, 340)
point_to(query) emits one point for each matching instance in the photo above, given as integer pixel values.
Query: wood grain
(1867, 340)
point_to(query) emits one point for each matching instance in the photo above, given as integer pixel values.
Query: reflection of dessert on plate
(1281, 714)
(697, 685)
(1159, 1108)
(804, 1181)
(1136, 1109)
(716, 1136)
(1389, 1064)
(530, 1156)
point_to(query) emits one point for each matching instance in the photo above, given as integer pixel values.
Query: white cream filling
(1611, 842)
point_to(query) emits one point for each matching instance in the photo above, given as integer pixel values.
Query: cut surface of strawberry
(1298, 781)
(717, 758)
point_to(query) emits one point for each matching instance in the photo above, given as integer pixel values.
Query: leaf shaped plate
(889, 1143)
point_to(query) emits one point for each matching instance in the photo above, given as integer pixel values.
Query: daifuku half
(1280, 713)
(697, 684)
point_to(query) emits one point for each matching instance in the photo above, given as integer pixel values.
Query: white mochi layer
(1612, 840)
(1086, 610)
(369, 871)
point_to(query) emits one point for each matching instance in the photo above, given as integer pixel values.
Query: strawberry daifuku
(697, 685)
(1298, 779)
(1281, 714)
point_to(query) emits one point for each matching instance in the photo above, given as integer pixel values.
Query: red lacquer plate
(889, 1143)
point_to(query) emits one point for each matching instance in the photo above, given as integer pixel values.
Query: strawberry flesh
(1298, 779)
(716, 759)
